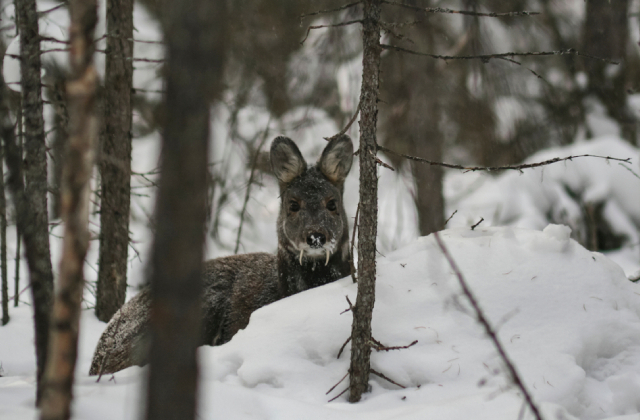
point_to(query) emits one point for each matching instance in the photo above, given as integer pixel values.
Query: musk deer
(313, 249)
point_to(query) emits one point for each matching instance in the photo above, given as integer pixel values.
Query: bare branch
(339, 382)
(333, 25)
(486, 57)
(488, 329)
(498, 168)
(375, 372)
(338, 396)
(265, 133)
(320, 12)
(447, 221)
(460, 12)
(477, 224)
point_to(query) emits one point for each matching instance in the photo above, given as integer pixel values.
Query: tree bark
(194, 32)
(606, 35)
(368, 224)
(34, 225)
(3, 241)
(81, 90)
(115, 160)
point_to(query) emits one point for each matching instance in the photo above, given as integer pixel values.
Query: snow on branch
(515, 377)
(499, 168)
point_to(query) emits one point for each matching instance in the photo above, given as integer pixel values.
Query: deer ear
(336, 159)
(286, 160)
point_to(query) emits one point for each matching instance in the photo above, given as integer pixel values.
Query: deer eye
(331, 205)
(294, 206)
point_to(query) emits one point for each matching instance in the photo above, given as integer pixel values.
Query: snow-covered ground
(568, 318)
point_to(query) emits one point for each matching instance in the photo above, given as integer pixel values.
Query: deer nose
(316, 240)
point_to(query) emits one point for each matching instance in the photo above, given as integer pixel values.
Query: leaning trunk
(368, 226)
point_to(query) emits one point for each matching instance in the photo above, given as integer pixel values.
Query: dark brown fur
(313, 249)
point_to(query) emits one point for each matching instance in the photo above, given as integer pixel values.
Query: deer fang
(328, 255)
(301, 252)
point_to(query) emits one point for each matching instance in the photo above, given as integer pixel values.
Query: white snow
(567, 317)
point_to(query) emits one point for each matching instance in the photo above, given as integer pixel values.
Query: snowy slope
(568, 317)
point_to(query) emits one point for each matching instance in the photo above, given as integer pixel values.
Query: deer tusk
(301, 252)
(328, 255)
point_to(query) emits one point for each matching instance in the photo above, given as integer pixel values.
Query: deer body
(313, 249)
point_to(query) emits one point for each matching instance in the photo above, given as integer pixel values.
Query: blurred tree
(606, 34)
(195, 31)
(81, 90)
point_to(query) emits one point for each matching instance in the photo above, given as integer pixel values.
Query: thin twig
(488, 329)
(498, 168)
(378, 346)
(476, 225)
(447, 221)
(486, 57)
(265, 133)
(339, 382)
(460, 12)
(44, 12)
(343, 346)
(319, 12)
(340, 394)
(348, 126)
(333, 25)
(375, 372)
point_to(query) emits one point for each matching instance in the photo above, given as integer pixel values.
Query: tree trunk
(34, 225)
(115, 160)
(606, 35)
(194, 31)
(368, 225)
(3, 240)
(81, 89)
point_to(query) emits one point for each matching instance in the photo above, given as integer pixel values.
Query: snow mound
(567, 317)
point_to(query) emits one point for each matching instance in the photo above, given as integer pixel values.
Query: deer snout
(316, 239)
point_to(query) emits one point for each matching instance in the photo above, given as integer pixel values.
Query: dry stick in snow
(489, 329)
(81, 89)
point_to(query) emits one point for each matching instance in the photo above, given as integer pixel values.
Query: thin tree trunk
(3, 242)
(33, 212)
(115, 160)
(16, 278)
(81, 90)
(194, 32)
(368, 224)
